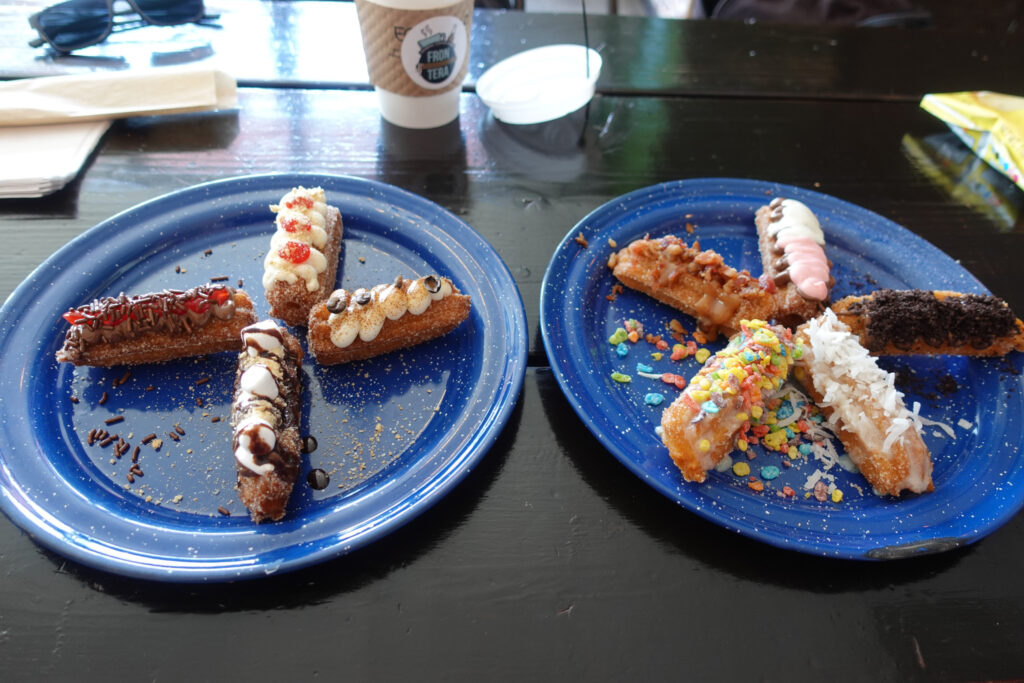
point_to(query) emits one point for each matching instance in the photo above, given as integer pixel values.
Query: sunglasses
(75, 24)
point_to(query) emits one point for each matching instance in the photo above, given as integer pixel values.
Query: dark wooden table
(550, 560)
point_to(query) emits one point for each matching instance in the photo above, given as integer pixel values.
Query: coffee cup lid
(541, 84)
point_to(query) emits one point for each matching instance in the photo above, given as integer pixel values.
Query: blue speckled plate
(979, 474)
(395, 433)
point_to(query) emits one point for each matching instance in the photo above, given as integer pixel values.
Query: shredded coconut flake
(841, 369)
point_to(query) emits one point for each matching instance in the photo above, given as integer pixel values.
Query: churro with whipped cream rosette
(302, 263)
(369, 322)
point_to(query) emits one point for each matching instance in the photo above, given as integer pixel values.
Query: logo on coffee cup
(433, 51)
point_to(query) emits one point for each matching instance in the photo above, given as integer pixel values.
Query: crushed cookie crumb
(581, 240)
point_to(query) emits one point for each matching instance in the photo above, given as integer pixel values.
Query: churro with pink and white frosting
(792, 247)
(302, 263)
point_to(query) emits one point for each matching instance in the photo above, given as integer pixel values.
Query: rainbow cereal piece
(701, 426)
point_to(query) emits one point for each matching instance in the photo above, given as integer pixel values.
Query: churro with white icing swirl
(266, 416)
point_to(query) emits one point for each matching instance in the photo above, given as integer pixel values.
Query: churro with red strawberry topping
(302, 264)
(161, 326)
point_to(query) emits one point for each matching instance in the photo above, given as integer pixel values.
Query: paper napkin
(989, 123)
(50, 125)
(93, 96)
(38, 160)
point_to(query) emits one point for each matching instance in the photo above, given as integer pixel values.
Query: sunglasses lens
(170, 12)
(75, 24)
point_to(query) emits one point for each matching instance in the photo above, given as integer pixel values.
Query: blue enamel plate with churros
(971, 409)
(393, 434)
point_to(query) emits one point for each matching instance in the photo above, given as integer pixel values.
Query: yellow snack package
(990, 123)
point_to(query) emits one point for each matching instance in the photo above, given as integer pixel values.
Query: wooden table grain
(550, 561)
(316, 44)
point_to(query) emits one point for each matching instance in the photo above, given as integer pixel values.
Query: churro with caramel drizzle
(695, 281)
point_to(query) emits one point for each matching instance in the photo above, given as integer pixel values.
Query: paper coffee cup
(417, 54)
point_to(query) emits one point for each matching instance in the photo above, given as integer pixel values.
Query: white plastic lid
(540, 85)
